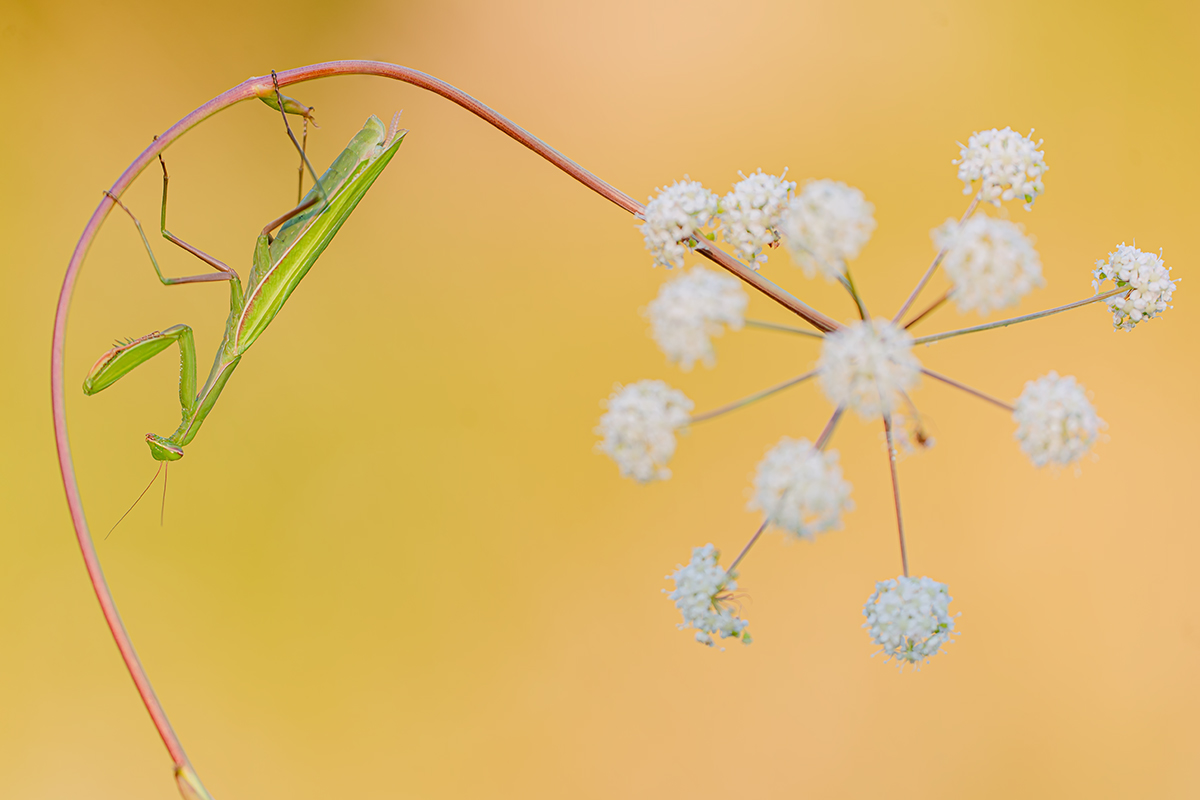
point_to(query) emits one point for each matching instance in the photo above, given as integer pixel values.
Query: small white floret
(991, 262)
(690, 310)
(750, 214)
(638, 429)
(1056, 423)
(703, 594)
(825, 226)
(1148, 279)
(800, 489)
(674, 217)
(866, 366)
(1007, 165)
(909, 618)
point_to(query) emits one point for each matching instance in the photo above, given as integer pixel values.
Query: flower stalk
(749, 544)
(775, 326)
(891, 448)
(934, 306)
(912, 298)
(745, 401)
(951, 382)
(1004, 323)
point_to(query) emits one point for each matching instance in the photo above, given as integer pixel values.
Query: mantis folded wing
(279, 264)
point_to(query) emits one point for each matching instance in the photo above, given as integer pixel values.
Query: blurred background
(392, 564)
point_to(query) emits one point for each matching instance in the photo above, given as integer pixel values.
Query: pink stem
(261, 87)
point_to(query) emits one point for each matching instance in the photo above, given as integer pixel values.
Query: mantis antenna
(139, 499)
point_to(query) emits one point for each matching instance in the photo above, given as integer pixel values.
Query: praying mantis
(280, 262)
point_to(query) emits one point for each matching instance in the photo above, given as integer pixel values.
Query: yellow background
(392, 565)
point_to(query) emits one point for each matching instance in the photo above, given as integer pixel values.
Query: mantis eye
(162, 450)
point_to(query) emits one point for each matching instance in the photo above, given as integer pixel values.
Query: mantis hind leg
(286, 105)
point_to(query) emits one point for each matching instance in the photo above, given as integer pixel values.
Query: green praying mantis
(280, 262)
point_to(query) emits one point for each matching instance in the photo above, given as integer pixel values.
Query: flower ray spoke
(912, 298)
(749, 544)
(934, 306)
(937, 337)
(981, 395)
(774, 326)
(745, 401)
(827, 432)
(887, 430)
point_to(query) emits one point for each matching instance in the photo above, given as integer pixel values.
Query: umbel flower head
(800, 489)
(675, 216)
(990, 261)
(1007, 165)
(1148, 279)
(703, 596)
(638, 429)
(826, 225)
(866, 365)
(909, 618)
(750, 214)
(691, 309)
(1056, 423)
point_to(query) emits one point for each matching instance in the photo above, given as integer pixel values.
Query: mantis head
(162, 450)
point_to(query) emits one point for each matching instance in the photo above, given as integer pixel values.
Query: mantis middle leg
(224, 272)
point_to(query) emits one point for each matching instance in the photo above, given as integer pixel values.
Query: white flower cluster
(800, 489)
(1148, 279)
(691, 309)
(909, 618)
(866, 365)
(702, 595)
(827, 224)
(638, 429)
(750, 214)
(1007, 164)
(990, 261)
(1056, 423)
(675, 216)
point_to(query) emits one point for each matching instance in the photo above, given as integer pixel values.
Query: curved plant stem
(912, 298)
(745, 401)
(951, 382)
(260, 87)
(1004, 323)
(774, 326)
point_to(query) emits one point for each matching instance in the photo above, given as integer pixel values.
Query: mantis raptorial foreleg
(125, 356)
